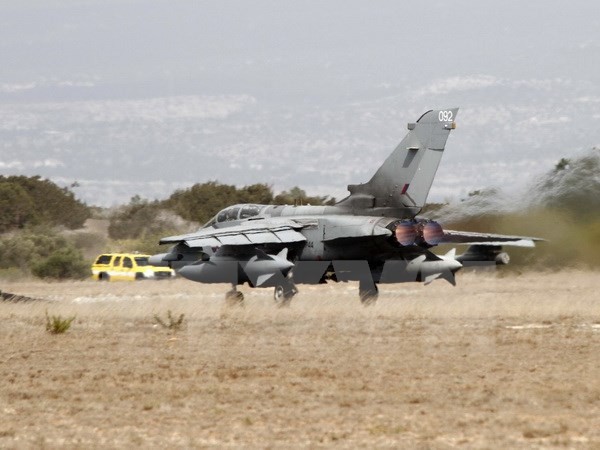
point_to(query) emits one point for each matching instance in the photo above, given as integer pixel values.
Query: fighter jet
(372, 236)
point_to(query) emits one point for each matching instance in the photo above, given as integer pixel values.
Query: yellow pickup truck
(127, 267)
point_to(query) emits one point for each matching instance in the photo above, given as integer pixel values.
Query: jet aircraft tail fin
(404, 179)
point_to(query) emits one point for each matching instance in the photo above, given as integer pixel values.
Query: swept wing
(251, 232)
(471, 237)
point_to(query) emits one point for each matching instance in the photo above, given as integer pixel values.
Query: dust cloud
(562, 206)
(572, 186)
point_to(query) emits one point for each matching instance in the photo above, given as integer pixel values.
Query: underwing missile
(260, 269)
(428, 270)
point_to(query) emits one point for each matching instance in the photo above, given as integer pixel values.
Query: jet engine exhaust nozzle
(409, 233)
(406, 233)
(433, 233)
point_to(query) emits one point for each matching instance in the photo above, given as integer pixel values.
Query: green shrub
(171, 323)
(62, 264)
(34, 200)
(16, 207)
(42, 252)
(21, 249)
(58, 325)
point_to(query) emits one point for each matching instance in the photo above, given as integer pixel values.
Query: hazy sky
(141, 97)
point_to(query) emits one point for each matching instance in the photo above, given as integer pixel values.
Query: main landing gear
(234, 297)
(283, 294)
(368, 293)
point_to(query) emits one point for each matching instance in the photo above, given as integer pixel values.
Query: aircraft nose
(188, 272)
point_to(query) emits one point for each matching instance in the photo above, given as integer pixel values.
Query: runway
(503, 360)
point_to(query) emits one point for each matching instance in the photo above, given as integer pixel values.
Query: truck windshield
(141, 261)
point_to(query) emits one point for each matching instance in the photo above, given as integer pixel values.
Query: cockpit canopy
(235, 212)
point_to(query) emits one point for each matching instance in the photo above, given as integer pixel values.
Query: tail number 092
(445, 116)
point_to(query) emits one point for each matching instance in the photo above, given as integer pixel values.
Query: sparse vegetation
(58, 324)
(171, 323)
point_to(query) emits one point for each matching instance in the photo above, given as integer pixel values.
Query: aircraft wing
(251, 232)
(471, 237)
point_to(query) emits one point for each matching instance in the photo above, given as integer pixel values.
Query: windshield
(249, 211)
(237, 212)
(210, 223)
(232, 213)
(141, 261)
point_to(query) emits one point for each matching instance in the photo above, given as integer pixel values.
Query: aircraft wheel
(234, 298)
(283, 295)
(369, 296)
(104, 277)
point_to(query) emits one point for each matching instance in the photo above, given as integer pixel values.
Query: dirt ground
(500, 361)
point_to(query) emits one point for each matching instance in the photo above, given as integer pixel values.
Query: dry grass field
(497, 362)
